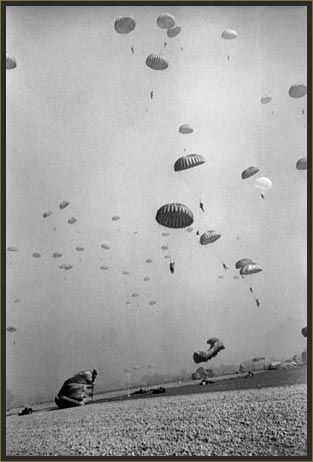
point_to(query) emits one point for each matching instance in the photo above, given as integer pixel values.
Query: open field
(267, 420)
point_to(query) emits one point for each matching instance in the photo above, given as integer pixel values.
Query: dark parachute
(209, 237)
(166, 21)
(77, 390)
(124, 24)
(249, 172)
(243, 262)
(304, 331)
(64, 204)
(174, 216)
(302, 164)
(192, 160)
(157, 62)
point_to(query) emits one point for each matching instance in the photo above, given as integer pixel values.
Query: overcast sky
(81, 127)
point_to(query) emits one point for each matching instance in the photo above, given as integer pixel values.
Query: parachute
(216, 346)
(302, 164)
(173, 31)
(10, 62)
(103, 267)
(251, 268)
(264, 184)
(146, 278)
(165, 234)
(124, 24)
(115, 218)
(259, 358)
(134, 294)
(11, 329)
(80, 249)
(209, 237)
(174, 216)
(166, 21)
(11, 249)
(229, 34)
(64, 204)
(304, 331)
(249, 172)
(152, 302)
(148, 260)
(57, 255)
(164, 247)
(298, 90)
(36, 255)
(47, 214)
(72, 220)
(243, 262)
(266, 99)
(77, 390)
(105, 246)
(189, 230)
(157, 62)
(192, 160)
(167, 256)
(185, 129)
(65, 267)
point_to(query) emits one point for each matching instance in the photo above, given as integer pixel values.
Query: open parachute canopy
(174, 215)
(216, 345)
(249, 172)
(209, 237)
(165, 21)
(192, 160)
(47, 214)
(302, 164)
(77, 390)
(304, 331)
(11, 329)
(157, 62)
(72, 221)
(229, 34)
(185, 129)
(148, 260)
(57, 255)
(298, 90)
(263, 183)
(243, 262)
(64, 204)
(36, 255)
(124, 24)
(11, 249)
(251, 268)
(266, 99)
(10, 62)
(173, 31)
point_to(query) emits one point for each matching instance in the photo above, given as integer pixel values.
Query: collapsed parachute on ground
(173, 31)
(115, 218)
(57, 255)
(174, 216)
(36, 255)
(157, 62)
(266, 99)
(47, 214)
(298, 90)
(216, 346)
(77, 390)
(229, 34)
(80, 249)
(249, 172)
(302, 164)
(209, 237)
(124, 24)
(64, 204)
(11, 329)
(166, 21)
(10, 62)
(250, 269)
(243, 262)
(185, 162)
(304, 331)
(185, 129)
(11, 249)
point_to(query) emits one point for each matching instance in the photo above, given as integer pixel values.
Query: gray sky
(81, 127)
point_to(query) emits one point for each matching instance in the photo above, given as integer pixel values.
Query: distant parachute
(173, 31)
(157, 62)
(17, 300)
(66, 267)
(259, 358)
(243, 262)
(263, 183)
(152, 302)
(148, 260)
(220, 277)
(103, 267)
(216, 345)
(174, 216)
(72, 220)
(105, 246)
(229, 34)
(249, 172)
(192, 160)
(57, 255)
(189, 230)
(302, 164)
(64, 204)
(266, 99)
(297, 90)
(185, 129)
(36, 255)
(115, 218)
(11, 329)
(164, 247)
(165, 234)
(209, 237)
(80, 249)
(146, 278)
(124, 24)
(10, 62)
(47, 214)
(166, 21)
(11, 249)
(126, 272)
(235, 277)
(304, 331)
(250, 269)
(134, 294)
